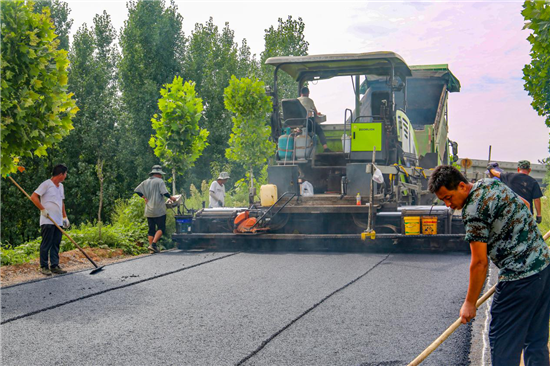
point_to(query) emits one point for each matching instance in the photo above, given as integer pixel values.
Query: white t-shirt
(309, 105)
(218, 191)
(51, 197)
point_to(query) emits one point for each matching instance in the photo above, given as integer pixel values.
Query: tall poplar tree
(153, 47)
(286, 40)
(59, 13)
(212, 58)
(91, 148)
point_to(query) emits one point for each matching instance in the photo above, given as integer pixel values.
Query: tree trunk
(100, 176)
(252, 189)
(173, 181)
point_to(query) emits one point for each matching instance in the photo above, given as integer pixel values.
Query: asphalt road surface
(198, 308)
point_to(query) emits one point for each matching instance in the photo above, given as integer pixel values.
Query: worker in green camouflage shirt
(499, 225)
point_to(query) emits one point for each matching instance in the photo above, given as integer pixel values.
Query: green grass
(128, 232)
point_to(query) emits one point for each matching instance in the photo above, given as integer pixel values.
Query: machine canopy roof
(437, 71)
(307, 68)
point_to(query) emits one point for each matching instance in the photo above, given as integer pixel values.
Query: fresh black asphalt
(184, 308)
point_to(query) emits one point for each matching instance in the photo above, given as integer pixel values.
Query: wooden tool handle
(57, 226)
(456, 324)
(449, 330)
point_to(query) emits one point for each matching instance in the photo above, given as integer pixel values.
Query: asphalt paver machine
(370, 189)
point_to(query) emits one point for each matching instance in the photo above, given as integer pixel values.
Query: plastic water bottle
(358, 200)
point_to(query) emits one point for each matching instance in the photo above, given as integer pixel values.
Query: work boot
(153, 249)
(45, 271)
(57, 270)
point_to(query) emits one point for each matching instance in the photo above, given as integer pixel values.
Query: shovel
(97, 268)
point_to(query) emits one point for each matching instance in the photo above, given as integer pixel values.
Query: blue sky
(483, 43)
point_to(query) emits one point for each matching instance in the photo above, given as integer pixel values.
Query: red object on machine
(241, 218)
(244, 223)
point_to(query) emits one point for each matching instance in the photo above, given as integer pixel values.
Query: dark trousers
(51, 239)
(316, 128)
(155, 224)
(520, 315)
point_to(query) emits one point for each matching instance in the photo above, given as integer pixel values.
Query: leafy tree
(212, 58)
(287, 40)
(249, 143)
(37, 110)
(59, 12)
(153, 47)
(537, 73)
(91, 148)
(179, 141)
(19, 219)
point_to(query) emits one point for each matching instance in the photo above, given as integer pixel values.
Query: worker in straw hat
(153, 190)
(499, 226)
(217, 191)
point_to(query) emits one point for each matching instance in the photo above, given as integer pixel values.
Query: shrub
(21, 254)
(129, 211)
(127, 232)
(544, 226)
(196, 198)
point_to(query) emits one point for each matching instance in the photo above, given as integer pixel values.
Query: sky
(482, 42)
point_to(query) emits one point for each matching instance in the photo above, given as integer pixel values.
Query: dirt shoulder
(71, 261)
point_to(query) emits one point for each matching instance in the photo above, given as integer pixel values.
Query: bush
(544, 226)
(238, 197)
(132, 239)
(21, 254)
(196, 198)
(127, 232)
(129, 211)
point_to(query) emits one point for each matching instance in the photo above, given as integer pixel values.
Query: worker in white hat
(217, 191)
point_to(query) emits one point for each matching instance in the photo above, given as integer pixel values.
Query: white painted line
(485, 355)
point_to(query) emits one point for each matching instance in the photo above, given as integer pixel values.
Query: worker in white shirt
(217, 191)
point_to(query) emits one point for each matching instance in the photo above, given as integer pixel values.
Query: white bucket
(346, 143)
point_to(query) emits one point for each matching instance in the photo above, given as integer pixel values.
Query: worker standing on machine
(500, 226)
(217, 191)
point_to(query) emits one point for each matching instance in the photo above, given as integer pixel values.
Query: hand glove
(66, 223)
(539, 219)
(44, 212)
(220, 203)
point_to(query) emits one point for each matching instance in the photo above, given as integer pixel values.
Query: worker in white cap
(217, 191)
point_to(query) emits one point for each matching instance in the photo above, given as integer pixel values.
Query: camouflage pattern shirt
(495, 215)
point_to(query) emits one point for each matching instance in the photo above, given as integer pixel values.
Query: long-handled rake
(97, 268)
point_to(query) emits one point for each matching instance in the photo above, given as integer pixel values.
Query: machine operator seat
(294, 113)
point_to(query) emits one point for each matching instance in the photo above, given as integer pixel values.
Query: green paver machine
(370, 190)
